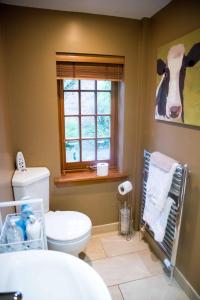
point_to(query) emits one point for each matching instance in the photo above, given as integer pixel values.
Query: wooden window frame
(82, 166)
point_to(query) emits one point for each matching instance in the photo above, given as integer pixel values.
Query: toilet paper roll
(102, 169)
(125, 187)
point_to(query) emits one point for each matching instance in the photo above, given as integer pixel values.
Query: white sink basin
(50, 275)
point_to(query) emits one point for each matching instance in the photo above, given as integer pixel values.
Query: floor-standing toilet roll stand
(126, 215)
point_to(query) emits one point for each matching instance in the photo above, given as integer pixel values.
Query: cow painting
(169, 93)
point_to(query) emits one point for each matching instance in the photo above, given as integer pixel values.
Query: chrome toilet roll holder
(125, 203)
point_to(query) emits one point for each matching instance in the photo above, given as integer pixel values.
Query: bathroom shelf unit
(37, 205)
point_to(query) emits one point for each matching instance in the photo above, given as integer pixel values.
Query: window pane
(88, 150)
(71, 84)
(103, 149)
(104, 85)
(71, 127)
(87, 127)
(103, 126)
(87, 103)
(103, 102)
(87, 84)
(72, 151)
(71, 105)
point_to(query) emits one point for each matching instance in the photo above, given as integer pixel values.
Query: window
(87, 116)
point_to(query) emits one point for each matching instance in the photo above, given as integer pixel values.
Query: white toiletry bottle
(20, 162)
(33, 231)
(14, 236)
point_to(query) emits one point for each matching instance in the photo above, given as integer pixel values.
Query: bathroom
(29, 121)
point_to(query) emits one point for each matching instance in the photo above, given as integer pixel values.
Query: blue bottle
(26, 212)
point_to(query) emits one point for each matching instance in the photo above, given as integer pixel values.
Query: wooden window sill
(88, 177)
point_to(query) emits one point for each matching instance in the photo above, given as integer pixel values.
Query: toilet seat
(58, 242)
(67, 226)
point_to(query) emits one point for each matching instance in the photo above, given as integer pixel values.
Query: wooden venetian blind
(90, 67)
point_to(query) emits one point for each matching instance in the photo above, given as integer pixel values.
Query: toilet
(67, 231)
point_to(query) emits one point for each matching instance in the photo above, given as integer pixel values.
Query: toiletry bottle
(20, 223)
(26, 212)
(14, 235)
(33, 231)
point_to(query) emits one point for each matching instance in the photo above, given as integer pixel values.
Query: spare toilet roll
(102, 169)
(125, 187)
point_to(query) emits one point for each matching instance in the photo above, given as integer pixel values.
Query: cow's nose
(174, 111)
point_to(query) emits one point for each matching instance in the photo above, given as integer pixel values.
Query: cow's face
(169, 94)
(174, 65)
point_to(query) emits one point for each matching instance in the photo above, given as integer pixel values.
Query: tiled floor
(130, 270)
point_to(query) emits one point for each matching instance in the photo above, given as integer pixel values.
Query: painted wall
(180, 142)
(6, 158)
(33, 37)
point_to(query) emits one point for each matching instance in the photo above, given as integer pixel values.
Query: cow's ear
(161, 67)
(193, 55)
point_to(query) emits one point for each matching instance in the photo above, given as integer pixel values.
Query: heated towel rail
(169, 245)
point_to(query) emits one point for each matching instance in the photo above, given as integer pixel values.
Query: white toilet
(67, 231)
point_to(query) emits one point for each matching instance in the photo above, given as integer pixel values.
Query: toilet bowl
(67, 231)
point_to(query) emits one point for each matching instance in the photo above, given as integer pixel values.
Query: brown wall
(6, 158)
(33, 37)
(179, 142)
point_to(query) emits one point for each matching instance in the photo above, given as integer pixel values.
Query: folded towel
(158, 185)
(158, 204)
(162, 161)
(159, 227)
(151, 213)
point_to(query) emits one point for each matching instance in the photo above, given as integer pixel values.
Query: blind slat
(99, 71)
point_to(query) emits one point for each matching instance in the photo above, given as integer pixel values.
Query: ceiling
(134, 9)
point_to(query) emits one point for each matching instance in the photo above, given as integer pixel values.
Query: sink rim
(88, 278)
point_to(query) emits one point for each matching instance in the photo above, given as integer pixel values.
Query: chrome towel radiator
(169, 245)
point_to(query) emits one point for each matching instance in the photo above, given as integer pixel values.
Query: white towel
(157, 204)
(159, 227)
(158, 185)
(162, 161)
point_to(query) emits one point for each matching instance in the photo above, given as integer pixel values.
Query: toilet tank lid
(29, 176)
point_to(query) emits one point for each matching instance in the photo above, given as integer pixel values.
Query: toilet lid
(66, 225)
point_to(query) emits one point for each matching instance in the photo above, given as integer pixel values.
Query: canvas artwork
(178, 80)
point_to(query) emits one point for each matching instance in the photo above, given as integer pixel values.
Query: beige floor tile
(93, 251)
(152, 288)
(105, 234)
(118, 245)
(152, 263)
(119, 269)
(115, 292)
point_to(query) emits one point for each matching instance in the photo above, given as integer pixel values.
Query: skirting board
(179, 277)
(186, 286)
(105, 228)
